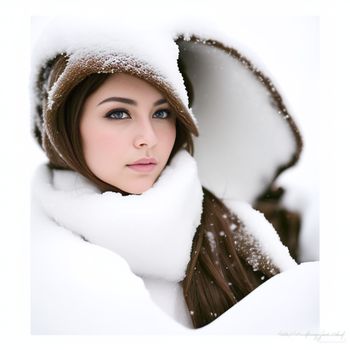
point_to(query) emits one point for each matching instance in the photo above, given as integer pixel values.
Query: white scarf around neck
(153, 231)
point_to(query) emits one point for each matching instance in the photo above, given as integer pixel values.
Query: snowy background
(286, 44)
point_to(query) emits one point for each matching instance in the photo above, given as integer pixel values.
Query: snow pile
(144, 228)
(90, 290)
(286, 303)
(81, 288)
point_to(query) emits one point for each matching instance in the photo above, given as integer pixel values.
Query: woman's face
(127, 121)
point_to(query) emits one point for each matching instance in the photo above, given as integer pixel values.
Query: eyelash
(120, 110)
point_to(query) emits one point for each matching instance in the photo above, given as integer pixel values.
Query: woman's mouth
(143, 165)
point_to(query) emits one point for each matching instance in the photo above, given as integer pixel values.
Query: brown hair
(217, 277)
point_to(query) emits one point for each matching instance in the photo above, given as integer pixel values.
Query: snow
(87, 290)
(288, 302)
(263, 231)
(90, 290)
(169, 297)
(211, 239)
(140, 228)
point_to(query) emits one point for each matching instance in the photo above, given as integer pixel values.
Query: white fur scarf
(153, 231)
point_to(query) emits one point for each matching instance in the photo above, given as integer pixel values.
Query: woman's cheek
(108, 139)
(104, 146)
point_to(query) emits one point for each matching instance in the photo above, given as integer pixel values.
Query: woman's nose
(146, 135)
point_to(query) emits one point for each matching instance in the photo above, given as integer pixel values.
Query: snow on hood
(80, 34)
(247, 135)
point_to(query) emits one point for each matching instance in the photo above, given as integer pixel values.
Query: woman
(117, 130)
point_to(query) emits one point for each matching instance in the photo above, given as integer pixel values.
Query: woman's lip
(143, 168)
(145, 161)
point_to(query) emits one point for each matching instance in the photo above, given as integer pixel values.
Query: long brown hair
(216, 277)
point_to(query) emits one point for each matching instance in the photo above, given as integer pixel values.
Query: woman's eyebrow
(119, 99)
(160, 102)
(130, 101)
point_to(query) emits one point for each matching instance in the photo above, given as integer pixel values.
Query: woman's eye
(162, 114)
(118, 114)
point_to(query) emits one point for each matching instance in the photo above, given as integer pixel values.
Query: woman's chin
(138, 188)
